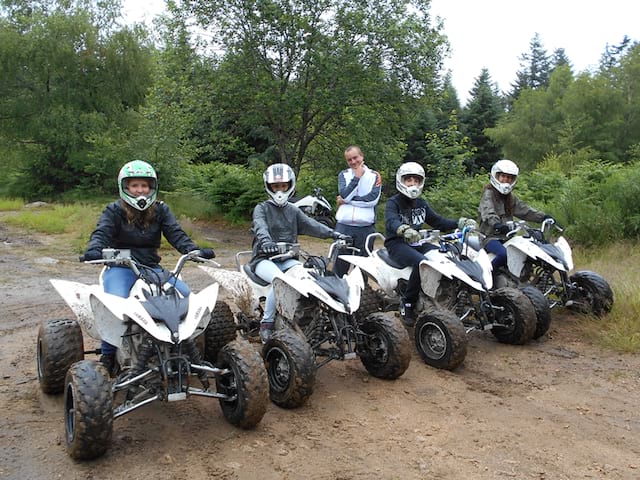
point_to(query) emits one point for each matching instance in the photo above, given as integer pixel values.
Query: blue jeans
(118, 281)
(267, 270)
(497, 248)
(408, 256)
(359, 235)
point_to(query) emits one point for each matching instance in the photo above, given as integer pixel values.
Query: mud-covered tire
(386, 350)
(88, 410)
(291, 368)
(441, 339)
(220, 331)
(593, 293)
(59, 346)
(518, 317)
(541, 307)
(370, 302)
(247, 383)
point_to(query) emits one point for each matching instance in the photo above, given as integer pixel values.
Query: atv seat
(384, 255)
(254, 278)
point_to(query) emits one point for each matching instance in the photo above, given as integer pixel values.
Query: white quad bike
(533, 260)
(156, 331)
(316, 206)
(319, 318)
(456, 297)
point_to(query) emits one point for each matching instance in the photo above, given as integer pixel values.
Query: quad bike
(156, 331)
(317, 207)
(533, 260)
(456, 297)
(319, 318)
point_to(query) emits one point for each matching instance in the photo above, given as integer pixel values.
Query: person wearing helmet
(359, 190)
(405, 214)
(277, 220)
(498, 205)
(136, 221)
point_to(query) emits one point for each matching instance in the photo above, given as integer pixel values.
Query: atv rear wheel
(515, 322)
(59, 346)
(246, 384)
(220, 331)
(291, 368)
(541, 307)
(592, 295)
(441, 339)
(386, 349)
(88, 410)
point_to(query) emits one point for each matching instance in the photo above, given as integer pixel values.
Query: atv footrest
(177, 397)
(350, 355)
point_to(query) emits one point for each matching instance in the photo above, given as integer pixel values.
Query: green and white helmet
(138, 169)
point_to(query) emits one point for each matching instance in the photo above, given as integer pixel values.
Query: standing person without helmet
(136, 221)
(404, 215)
(358, 195)
(277, 220)
(498, 206)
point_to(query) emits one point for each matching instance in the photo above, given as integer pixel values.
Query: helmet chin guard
(504, 166)
(414, 169)
(279, 173)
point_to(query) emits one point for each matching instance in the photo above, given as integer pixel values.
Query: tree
(299, 68)
(535, 70)
(69, 80)
(483, 111)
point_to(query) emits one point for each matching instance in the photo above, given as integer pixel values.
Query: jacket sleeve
(372, 198)
(173, 232)
(105, 231)
(487, 212)
(311, 227)
(525, 212)
(392, 219)
(260, 226)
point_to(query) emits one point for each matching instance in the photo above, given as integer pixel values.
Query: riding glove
(466, 222)
(269, 247)
(410, 235)
(501, 228)
(207, 253)
(91, 255)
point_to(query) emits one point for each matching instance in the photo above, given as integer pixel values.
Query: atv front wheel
(441, 339)
(246, 385)
(515, 319)
(541, 307)
(370, 302)
(88, 410)
(59, 346)
(592, 293)
(386, 349)
(220, 331)
(291, 368)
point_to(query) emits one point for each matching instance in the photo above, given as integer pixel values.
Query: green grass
(10, 204)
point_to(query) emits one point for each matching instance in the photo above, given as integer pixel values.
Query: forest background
(216, 91)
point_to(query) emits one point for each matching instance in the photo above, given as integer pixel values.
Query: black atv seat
(254, 278)
(384, 255)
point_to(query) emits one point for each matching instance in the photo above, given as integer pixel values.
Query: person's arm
(487, 210)
(310, 226)
(172, 230)
(392, 218)
(103, 234)
(525, 212)
(260, 226)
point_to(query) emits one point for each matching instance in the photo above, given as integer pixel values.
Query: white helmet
(504, 166)
(279, 173)
(410, 168)
(138, 169)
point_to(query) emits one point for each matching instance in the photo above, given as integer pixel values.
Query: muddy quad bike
(318, 320)
(156, 332)
(532, 259)
(456, 297)
(316, 206)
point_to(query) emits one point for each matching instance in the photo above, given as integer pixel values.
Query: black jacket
(114, 231)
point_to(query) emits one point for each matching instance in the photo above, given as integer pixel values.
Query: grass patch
(10, 204)
(618, 264)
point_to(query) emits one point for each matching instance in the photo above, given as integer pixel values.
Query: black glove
(501, 228)
(269, 247)
(91, 255)
(207, 253)
(549, 217)
(348, 239)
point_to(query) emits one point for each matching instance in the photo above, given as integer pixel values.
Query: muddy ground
(557, 408)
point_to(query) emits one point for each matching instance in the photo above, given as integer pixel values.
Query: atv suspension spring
(145, 353)
(461, 303)
(193, 352)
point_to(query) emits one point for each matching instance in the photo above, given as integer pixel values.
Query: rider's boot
(407, 313)
(266, 330)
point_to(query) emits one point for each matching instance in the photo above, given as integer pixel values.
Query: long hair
(139, 218)
(508, 200)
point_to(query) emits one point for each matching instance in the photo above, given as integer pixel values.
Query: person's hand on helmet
(91, 255)
(207, 253)
(269, 247)
(348, 239)
(409, 234)
(466, 222)
(501, 228)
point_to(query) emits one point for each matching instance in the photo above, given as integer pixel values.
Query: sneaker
(407, 314)
(266, 330)
(109, 362)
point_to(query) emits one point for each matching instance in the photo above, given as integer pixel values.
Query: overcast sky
(494, 33)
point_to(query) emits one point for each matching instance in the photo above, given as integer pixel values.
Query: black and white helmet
(504, 166)
(413, 169)
(279, 173)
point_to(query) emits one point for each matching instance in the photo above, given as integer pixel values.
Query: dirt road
(554, 409)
